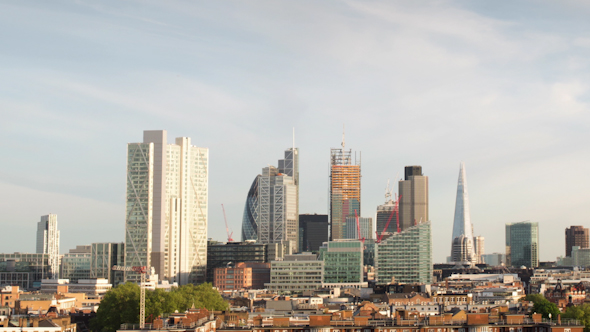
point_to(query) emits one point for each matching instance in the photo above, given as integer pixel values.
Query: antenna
(293, 140)
(343, 141)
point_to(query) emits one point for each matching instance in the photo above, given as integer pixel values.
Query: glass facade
(522, 244)
(221, 254)
(103, 257)
(343, 261)
(250, 218)
(406, 256)
(75, 266)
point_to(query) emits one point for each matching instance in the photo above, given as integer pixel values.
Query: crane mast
(142, 270)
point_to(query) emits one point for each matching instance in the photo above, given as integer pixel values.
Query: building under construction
(345, 189)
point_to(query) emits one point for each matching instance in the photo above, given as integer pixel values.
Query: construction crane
(142, 270)
(358, 226)
(396, 211)
(229, 238)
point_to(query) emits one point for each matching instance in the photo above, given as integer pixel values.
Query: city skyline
(416, 84)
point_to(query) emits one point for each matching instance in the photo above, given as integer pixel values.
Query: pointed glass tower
(462, 244)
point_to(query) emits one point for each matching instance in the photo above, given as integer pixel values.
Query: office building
(219, 255)
(345, 189)
(405, 257)
(580, 257)
(167, 206)
(575, 236)
(351, 228)
(387, 213)
(271, 211)
(103, 257)
(522, 244)
(313, 231)
(245, 275)
(479, 248)
(495, 259)
(48, 243)
(296, 273)
(25, 270)
(343, 263)
(75, 265)
(413, 191)
(462, 248)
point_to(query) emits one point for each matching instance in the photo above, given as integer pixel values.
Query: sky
(501, 86)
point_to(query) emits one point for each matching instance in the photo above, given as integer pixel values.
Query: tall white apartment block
(167, 207)
(48, 242)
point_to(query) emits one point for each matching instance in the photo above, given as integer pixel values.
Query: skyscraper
(413, 205)
(365, 226)
(313, 231)
(271, 212)
(479, 249)
(48, 242)
(386, 212)
(522, 244)
(462, 248)
(345, 189)
(575, 236)
(167, 201)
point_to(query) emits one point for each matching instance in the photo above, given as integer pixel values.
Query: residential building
(576, 236)
(365, 225)
(271, 212)
(103, 257)
(296, 273)
(167, 208)
(522, 244)
(343, 263)
(462, 246)
(345, 189)
(405, 257)
(313, 231)
(413, 200)
(48, 242)
(233, 278)
(75, 264)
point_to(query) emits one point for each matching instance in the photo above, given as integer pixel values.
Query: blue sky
(501, 86)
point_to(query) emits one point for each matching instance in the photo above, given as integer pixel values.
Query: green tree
(121, 304)
(543, 306)
(581, 313)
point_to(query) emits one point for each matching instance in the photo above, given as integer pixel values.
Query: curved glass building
(250, 218)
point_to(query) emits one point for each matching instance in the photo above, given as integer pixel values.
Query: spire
(462, 224)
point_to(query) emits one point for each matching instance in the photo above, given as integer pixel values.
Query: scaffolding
(345, 185)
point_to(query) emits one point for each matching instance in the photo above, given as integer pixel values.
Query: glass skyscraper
(522, 244)
(405, 256)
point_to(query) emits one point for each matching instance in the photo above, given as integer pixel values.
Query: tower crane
(229, 235)
(358, 226)
(142, 270)
(396, 211)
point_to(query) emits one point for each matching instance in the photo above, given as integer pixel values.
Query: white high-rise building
(48, 242)
(167, 207)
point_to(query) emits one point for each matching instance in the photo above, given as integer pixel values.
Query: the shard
(462, 246)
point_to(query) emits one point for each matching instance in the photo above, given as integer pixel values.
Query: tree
(121, 304)
(543, 306)
(581, 313)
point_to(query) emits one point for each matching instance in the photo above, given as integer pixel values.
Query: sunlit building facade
(345, 189)
(48, 243)
(522, 244)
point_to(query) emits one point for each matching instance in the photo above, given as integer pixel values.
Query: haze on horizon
(503, 87)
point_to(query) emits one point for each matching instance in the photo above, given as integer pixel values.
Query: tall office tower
(351, 229)
(479, 248)
(462, 248)
(271, 212)
(386, 212)
(522, 244)
(48, 242)
(313, 231)
(575, 236)
(166, 219)
(345, 189)
(413, 191)
(103, 257)
(405, 257)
